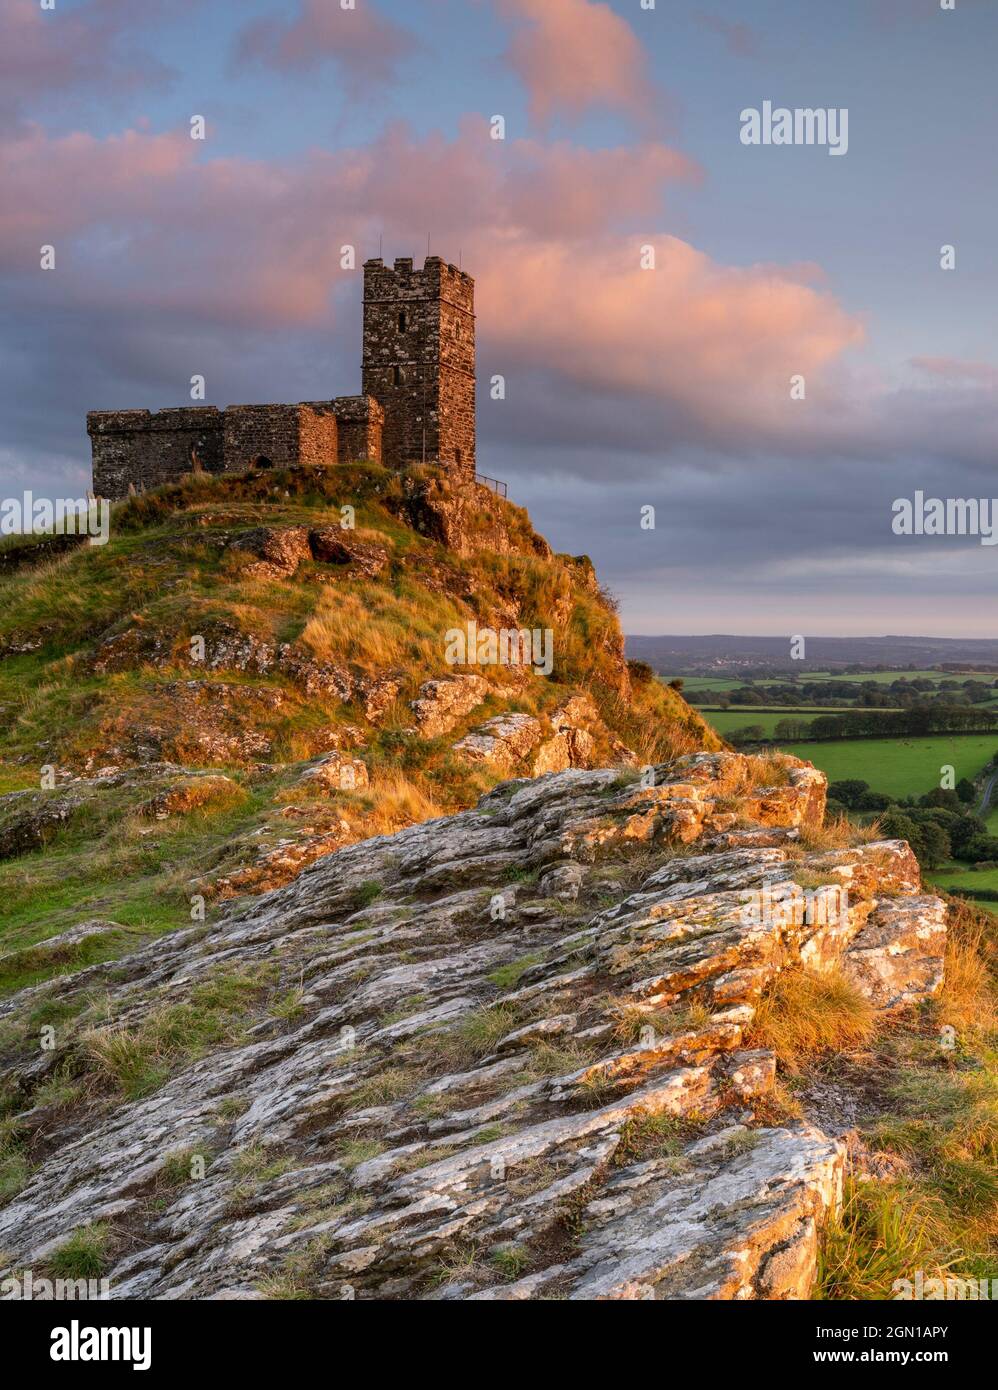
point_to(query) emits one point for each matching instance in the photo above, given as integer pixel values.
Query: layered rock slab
(518, 1064)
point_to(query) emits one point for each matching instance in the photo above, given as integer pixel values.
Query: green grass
(962, 876)
(726, 720)
(132, 1062)
(899, 767)
(15, 1168)
(937, 1114)
(507, 976)
(112, 864)
(888, 677)
(85, 1255)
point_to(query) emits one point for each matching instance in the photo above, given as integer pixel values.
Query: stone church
(417, 401)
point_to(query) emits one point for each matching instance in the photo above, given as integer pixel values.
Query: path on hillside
(986, 794)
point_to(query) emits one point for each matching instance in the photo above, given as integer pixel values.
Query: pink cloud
(958, 369)
(42, 52)
(157, 203)
(718, 341)
(148, 229)
(573, 55)
(366, 46)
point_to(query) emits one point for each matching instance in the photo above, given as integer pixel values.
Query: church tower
(419, 361)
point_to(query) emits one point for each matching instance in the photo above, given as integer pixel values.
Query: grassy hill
(176, 707)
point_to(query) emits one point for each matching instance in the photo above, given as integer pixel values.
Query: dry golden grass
(656, 723)
(743, 774)
(379, 630)
(969, 999)
(630, 1018)
(769, 770)
(396, 802)
(806, 1014)
(838, 832)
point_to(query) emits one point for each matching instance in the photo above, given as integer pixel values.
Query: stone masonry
(419, 361)
(418, 401)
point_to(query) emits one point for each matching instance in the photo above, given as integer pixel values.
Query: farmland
(952, 877)
(726, 721)
(899, 767)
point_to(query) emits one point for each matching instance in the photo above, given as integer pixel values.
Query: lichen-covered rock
(29, 819)
(519, 742)
(443, 703)
(191, 793)
(898, 957)
(336, 545)
(279, 550)
(336, 772)
(502, 742)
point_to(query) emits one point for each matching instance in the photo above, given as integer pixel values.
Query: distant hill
(680, 655)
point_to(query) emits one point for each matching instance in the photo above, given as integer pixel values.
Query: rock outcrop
(504, 1055)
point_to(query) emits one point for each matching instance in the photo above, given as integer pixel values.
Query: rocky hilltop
(520, 1052)
(334, 965)
(287, 633)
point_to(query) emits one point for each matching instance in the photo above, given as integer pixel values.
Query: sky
(628, 386)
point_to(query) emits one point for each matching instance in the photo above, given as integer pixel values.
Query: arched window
(403, 322)
(397, 376)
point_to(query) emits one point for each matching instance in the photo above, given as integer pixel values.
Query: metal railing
(498, 487)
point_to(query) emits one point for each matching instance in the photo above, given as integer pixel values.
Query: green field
(955, 876)
(727, 719)
(899, 766)
(692, 684)
(724, 720)
(887, 677)
(962, 876)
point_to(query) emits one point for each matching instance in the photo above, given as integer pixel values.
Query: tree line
(860, 723)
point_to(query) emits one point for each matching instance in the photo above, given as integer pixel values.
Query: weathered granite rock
(280, 550)
(335, 545)
(517, 742)
(29, 819)
(897, 958)
(502, 742)
(336, 772)
(443, 703)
